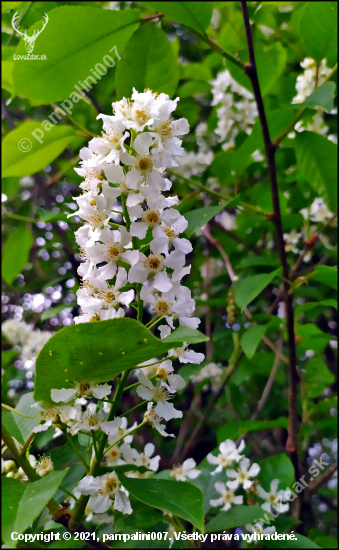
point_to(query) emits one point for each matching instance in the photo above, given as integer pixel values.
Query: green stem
(68, 492)
(17, 412)
(125, 212)
(20, 218)
(71, 442)
(80, 506)
(140, 304)
(136, 407)
(151, 321)
(95, 445)
(126, 434)
(115, 225)
(155, 323)
(138, 383)
(72, 119)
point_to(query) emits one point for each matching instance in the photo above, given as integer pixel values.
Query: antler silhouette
(36, 33)
(14, 21)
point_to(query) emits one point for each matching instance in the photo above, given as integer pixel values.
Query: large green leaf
(327, 275)
(25, 154)
(311, 337)
(233, 430)
(22, 502)
(251, 338)
(154, 67)
(199, 217)
(91, 35)
(318, 30)
(270, 62)
(247, 289)
(317, 377)
(196, 15)
(321, 97)
(235, 517)
(318, 164)
(176, 497)
(18, 426)
(66, 455)
(16, 253)
(312, 305)
(98, 351)
(278, 466)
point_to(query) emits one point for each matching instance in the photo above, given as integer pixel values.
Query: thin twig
(326, 476)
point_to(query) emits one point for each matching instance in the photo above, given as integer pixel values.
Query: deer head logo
(29, 40)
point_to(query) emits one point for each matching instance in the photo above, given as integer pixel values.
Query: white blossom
(227, 496)
(186, 470)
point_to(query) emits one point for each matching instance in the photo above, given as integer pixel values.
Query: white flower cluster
(211, 372)
(242, 476)
(134, 174)
(237, 111)
(31, 340)
(312, 77)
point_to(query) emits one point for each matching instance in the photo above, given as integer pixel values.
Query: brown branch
(326, 476)
(269, 383)
(251, 71)
(151, 17)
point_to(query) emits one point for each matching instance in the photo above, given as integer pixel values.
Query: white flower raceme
(228, 453)
(30, 340)
(186, 470)
(103, 490)
(145, 458)
(227, 496)
(238, 109)
(211, 371)
(186, 355)
(160, 395)
(127, 164)
(243, 474)
(273, 498)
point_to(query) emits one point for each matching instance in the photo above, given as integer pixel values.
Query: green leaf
(318, 164)
(312, 305)
(33, 155)
(278, 466)
(16, 253)
(235, 517)
(326, 542)
(98, 351)
(48, 313)
(233, 430)
(91, 35)
(18, 426)
(154, 67)
(321, 97)
(199, 217)
(66, 455)
(196, 15)
(270, 62)
(7, 68)
(318, 30)
(317, 377)
(247, 289)
(196, 71)
(221, 167)
(10, 186)
(176, 497)
(327, 275)
(190, 89)
(312, 338)
(300, 542)
(251, 338)
(23, 502)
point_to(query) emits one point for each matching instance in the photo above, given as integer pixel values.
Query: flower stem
(77, 451)
(126, 434)
(68, 492)
(17, 412)
(155, 323)
(136, 407)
